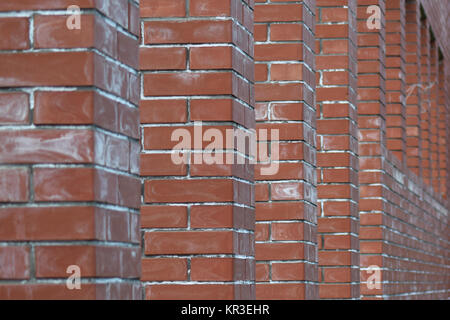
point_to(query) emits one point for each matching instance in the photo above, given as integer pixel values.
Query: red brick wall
(404, 222)
(87, 177)
(69, 189)
(437, 12)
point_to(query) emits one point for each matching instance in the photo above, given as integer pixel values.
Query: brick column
(372, 141)
(434, 116)
(286, 248)
(197, 218)
(446, 102)
(425, 106)
(69, 190)
(337, 145)
(444, 131)
(413, 145)
(395, 78)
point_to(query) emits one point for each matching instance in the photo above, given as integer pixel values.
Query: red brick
(287, 231)
(161, 165)
(159, 32)
(14, 34)
(52, 32)
(278, 52)
(49, 223)
(211, 269)
(262, 272)
(53, 261)
(288, 271)
(337, 274)
(71, 184)
(58, 107)
(163, 8)
(279, 251)
(196, 292)
(163, 111)
(286, 32)
(162, 58)
(200, 190)
(287, 111)
(286, 72)
(334, 14)
(280, 291)
(278, 12)
(15, 263)
(218, 110)
(210, 58)
(262, 232)
(182, 84)
(209, 8)
(212, 217)
(163, 217)
(45, 4)
(279, 211)
(164, 269)
(278, 92)
(46, 69)
(330, 291)
(260, 33)
(14, 108)
(44, 146)
(189, 242)
(14, 185)
(329, 258)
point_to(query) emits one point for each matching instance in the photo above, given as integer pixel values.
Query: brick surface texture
(347, 99)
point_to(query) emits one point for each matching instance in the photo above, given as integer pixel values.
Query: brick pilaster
(444, 131)
(434, 116)
(197, 217)
(286, 247)
(337, 145)
(413, 141)
(395, 78)
(69, 151)
(372, 142)
(425, 102)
